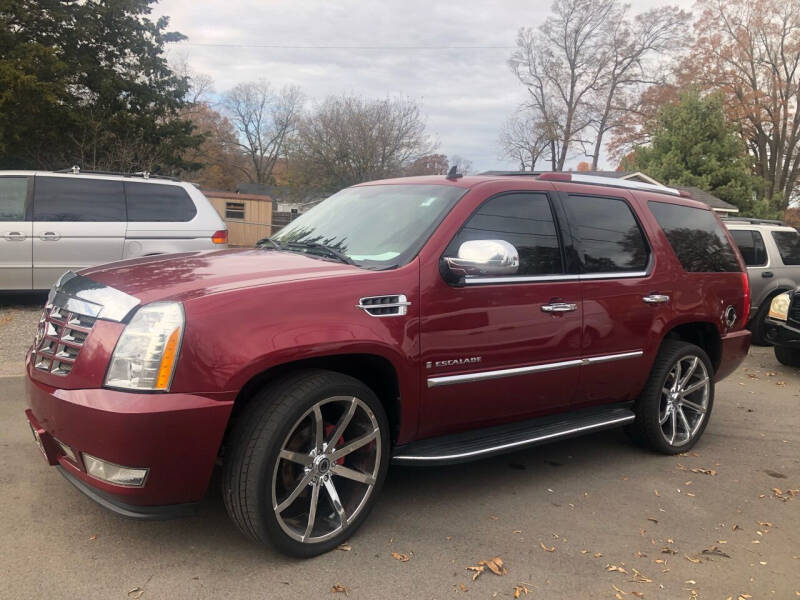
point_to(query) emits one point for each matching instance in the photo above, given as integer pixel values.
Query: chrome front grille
(59, 339)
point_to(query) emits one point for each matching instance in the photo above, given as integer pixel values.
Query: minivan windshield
(372, 226)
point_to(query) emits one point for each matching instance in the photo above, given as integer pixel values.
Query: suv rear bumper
(734, 347)
(176, 437)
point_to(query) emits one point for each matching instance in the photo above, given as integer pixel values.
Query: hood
(192, 274)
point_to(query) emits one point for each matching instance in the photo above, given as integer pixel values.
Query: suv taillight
(220, 237)
(746, 309)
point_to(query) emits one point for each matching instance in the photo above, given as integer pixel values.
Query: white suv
(51, 222)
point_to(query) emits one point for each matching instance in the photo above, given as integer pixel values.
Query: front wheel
(307, 461)
(788, 356)
(673, 410)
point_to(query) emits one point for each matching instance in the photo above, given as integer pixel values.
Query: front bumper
(175, 436)
(780, 333)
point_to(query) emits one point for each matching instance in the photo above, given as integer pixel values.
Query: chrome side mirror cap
(484, 257)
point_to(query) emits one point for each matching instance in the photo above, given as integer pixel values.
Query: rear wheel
(788, 356)
(673, 410)
(308, 459)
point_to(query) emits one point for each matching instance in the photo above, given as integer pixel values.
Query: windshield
(375, 226)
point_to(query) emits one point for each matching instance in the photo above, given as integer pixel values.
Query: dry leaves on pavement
(344, 547)
(547, 548)
(714, 551)
(338, 588)
(520, 590)
(135, 593)
(495, 565)
(402, 557)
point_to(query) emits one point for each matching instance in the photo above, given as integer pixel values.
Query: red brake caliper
(329, 430)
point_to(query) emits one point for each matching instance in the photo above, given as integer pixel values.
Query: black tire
(788, 356)
(251, 464)
(647, 428)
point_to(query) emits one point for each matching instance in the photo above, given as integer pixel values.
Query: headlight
(779, 309)
(147, 350)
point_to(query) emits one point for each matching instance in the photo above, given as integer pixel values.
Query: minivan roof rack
(76, 170)
(756, 221)
(568, 176)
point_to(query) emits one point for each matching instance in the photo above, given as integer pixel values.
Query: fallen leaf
(668, 550)
(477, 570)
(92, 538)
(711, 472)
(735, 527)
(135, 593)
(638, 594)
(344, 547)
(692, 558)
(547, 548)
(616, 589)
(519, 590)
(401, 557)
(338, 588)
(463, 587)
(615, 568)
(654, 520)
(496, 566)
(656, 492)
(597, 554)
(640, 578)
(714, 551)
(762, 523)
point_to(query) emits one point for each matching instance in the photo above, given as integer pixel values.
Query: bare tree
(348, 139)
(630, 45)
(524, 139)
(264, 120)
(561, 63)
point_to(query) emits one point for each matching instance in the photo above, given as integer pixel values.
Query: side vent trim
(390, 305)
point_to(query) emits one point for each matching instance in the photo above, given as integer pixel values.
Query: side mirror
(484, 257)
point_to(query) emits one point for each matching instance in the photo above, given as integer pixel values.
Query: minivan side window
(751, 245)
(13, 191)
(153, 202)
(788, 243)
(697, 237)
(525, 221)
(79, 199)
(606, 236)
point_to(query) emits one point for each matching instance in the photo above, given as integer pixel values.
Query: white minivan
(51, 222)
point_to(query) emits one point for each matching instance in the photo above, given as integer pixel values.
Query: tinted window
(606, 236)
(13, 191)
(523, 220)
(65, 199)
(697, 238)
(751, 245)
(788, 243)
(151, 202)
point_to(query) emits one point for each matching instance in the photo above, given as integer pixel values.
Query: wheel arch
(704, 334)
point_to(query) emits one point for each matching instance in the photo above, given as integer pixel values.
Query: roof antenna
(453, 173)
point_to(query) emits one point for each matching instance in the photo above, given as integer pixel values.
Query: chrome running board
(477, 444)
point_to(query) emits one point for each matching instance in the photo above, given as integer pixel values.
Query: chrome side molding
(513, 372)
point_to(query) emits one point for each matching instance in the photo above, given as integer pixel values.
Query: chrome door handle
(15, 236)
(559, 307)
(656, 299)
(50, 236)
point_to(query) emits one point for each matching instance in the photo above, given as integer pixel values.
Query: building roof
(710, 199)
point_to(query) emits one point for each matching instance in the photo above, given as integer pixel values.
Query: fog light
(111, 473)
(69, 452)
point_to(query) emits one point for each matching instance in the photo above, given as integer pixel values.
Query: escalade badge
(454, 362)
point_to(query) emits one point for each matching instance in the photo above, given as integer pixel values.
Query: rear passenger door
(16, 247)
(761, 273)
(613, 256)
(78, 222)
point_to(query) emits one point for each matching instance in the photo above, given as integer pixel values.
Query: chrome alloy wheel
(326, 469)
(684, 400)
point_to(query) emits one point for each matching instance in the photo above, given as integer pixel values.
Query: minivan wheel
(788, 356)
(307, 460)
(673, 410)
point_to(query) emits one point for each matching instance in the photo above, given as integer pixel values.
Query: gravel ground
(592, 517)
(19, 314)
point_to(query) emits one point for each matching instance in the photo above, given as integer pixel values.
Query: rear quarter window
(751, 245)
(153, 202)
(697, 237)
(788, 243)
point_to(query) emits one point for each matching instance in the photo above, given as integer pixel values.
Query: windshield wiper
(329, 250)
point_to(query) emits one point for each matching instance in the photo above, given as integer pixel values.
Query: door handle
(558, 307)
(50, 236)
(15, 236)
(656, 299)
(767, 274)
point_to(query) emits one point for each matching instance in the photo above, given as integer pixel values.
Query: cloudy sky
(449, 56)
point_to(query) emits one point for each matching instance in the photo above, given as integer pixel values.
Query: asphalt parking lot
(593, 517)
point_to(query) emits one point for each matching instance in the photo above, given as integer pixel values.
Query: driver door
(501, 348)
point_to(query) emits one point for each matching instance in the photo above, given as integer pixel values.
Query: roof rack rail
(76, 170)
(611, 182)
(509, 173)
(753, 221)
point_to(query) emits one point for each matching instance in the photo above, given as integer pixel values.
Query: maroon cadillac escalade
(417, 321)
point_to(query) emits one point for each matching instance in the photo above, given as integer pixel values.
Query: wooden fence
(247, 216)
